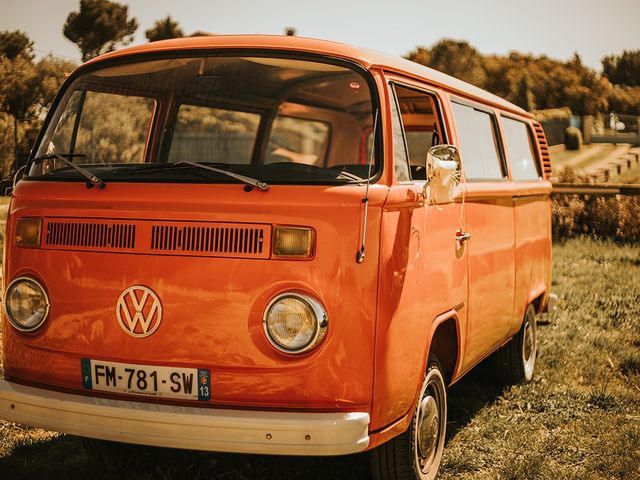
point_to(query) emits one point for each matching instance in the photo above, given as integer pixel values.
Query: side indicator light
(294, 242)
(27, 233)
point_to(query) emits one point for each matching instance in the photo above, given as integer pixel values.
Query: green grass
(579, 418)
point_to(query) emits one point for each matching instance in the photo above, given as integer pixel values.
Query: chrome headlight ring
(41, 310)
(280, 322)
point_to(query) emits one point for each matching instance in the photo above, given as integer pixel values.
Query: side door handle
(461, 236)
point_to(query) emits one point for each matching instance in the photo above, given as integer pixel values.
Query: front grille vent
(90, 234)
(153, 237)
(544, 150)
(234, 240)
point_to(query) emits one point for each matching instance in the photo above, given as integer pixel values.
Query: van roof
(365, 57)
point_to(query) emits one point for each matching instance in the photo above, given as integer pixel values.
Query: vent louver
(233, 240)
(152, 237)
(89, 234)
(544, 150)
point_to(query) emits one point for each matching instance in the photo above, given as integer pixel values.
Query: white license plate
(183, 383)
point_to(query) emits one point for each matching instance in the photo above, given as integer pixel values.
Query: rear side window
(479, 148)
(523, 163)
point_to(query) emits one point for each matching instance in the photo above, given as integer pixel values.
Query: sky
(556, 28)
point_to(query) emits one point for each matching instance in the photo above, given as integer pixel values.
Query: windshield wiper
(352, 177)
(187, 164)
(64, 158)
(248, 180)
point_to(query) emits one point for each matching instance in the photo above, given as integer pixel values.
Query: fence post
(587, 127)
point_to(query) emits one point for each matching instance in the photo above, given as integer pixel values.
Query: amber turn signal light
(28, 232)
(294, 242)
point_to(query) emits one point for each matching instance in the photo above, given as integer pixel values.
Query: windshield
(276, 120)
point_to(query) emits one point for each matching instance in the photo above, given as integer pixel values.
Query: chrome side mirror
(443, 173)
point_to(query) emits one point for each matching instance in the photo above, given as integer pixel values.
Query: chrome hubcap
(528, 341)
(529, 347)
(427, 431)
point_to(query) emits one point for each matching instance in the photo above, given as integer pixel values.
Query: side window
(400, 160)
(523, 163)
(479, 148)
(422, 126)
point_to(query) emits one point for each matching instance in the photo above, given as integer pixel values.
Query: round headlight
(295, 323)
(26, 304)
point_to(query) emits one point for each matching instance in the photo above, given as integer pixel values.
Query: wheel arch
(444, 344)
(536, 298)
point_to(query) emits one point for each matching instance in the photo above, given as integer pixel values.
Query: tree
(163, 30)
(623, 69)
(14, 44)
(17, 91)
(99, 27)
(456, 58)
(290, 32)
(51, 72)
(526, 80)
(501, 74)
(26, 91)
(18, 86)
(524, 96)
(552, 83)
(625, 100)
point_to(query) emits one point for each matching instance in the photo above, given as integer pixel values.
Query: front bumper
(240, 431)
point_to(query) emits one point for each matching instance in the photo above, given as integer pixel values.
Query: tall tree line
(539, 82)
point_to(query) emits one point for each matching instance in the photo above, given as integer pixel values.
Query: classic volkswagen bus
(271, 245)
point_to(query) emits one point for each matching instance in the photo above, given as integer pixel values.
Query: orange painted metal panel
(491, 272)
(213, 307)
(422, 274)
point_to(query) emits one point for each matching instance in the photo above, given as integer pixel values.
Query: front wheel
(416, 453)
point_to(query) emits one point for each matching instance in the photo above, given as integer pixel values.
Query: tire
(515, 362)
(417, 452)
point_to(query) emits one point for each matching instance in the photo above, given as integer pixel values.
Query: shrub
(613, 218)
(551, 114)
(573, 138)
(554, 121)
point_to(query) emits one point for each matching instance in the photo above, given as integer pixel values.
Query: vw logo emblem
(139, 311)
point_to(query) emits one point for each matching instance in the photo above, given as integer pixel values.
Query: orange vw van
(271, 245)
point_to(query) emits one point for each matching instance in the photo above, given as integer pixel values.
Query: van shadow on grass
(466, 398)
(67, 456)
